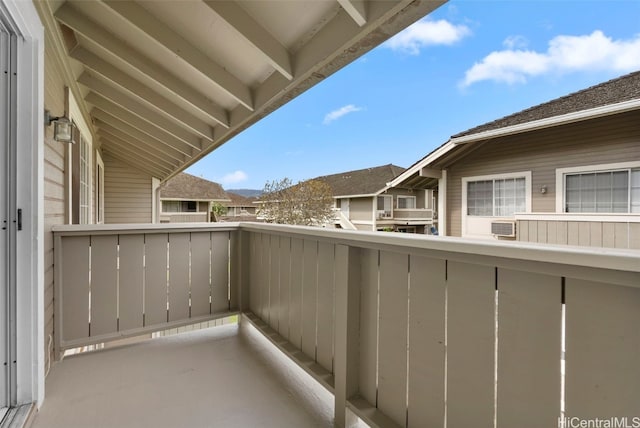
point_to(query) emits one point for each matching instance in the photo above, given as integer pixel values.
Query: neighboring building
(566, 171)
(363, 201)
(187, 199)
(239, 208)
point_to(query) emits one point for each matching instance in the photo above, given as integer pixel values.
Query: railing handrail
(591, 217)
(604, 258)
(130, 228)
(618, 259)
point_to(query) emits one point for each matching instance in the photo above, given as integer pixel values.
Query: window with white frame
(406, 202)
(84, 189)
(499, 197)
(99, 189)
(602, 191)
(385, 206)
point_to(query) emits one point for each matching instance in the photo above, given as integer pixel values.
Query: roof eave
(550, 122)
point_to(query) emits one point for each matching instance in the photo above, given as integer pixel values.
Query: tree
(307, 203)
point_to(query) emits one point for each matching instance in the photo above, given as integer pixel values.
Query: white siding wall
(127, 193)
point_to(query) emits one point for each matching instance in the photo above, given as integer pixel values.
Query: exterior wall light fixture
(62, 127)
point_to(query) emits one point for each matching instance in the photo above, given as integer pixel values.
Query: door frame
(22, 19)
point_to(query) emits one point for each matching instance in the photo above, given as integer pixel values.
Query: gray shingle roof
(239, 200)
(362, 181)
(624, 88)
(189, 187)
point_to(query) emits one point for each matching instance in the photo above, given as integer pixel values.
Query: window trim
(99, 183)
(523, 174)
(605, 167)
(415, 201)
(391, 205)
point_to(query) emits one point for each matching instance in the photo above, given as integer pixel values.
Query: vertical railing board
(602, 344)
(347, 329)
(471, 345)
(369, 325)
(75, 287)
(621, 235)
(584, 232)
(595, 234)
(219, 272)
(309, 297)
(573, 233)
(608, 235)
(392, 345)
(295, 307)
(563, 232)
(200, 272)
(426, 342)
(239, 270)
(131, 280)
(104, 284)
(533, 231)
(265, 276)
(285, 283)
(552, 232)
(254, 265)
(542, 232)
(326, 263)
(155, 284)
(523, 230)
(179, 253)
(274, 282)
(529, 349)
(634, 236)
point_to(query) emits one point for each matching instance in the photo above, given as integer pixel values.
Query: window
(614, 191)
(385, 206)
(406, 202)
(500, 197)
(179, 206)
(99, 189)
(80, 170)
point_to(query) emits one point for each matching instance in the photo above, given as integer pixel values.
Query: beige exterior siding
(184, 218)
(127, 193)
(54, 185)
(605, 140)
(361, 209)
(590, 234)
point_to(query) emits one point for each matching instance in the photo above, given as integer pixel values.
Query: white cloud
(565, 54)
(427, 32)
(515, 42)
(337, 114)
(234, 177)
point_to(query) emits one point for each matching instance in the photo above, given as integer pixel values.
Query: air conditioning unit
(504, 228)
(380, 214)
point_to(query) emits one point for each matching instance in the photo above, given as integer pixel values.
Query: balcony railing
(404, 330)
(422, 214)
(585, 229)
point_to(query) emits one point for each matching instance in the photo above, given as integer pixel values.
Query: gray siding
(127, 193)
(361, 209)
(605, 140)
(54, 185)
(583, 233)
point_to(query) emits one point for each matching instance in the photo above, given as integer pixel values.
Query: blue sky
(467, 63)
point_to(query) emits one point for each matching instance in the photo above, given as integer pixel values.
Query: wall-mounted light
(62, 127)
(543, 189)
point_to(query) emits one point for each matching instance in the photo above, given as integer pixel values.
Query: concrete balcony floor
(226, 376)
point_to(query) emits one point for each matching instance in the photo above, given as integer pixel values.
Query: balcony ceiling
(166, 82)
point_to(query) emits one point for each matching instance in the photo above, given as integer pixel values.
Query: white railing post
(347, 316)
